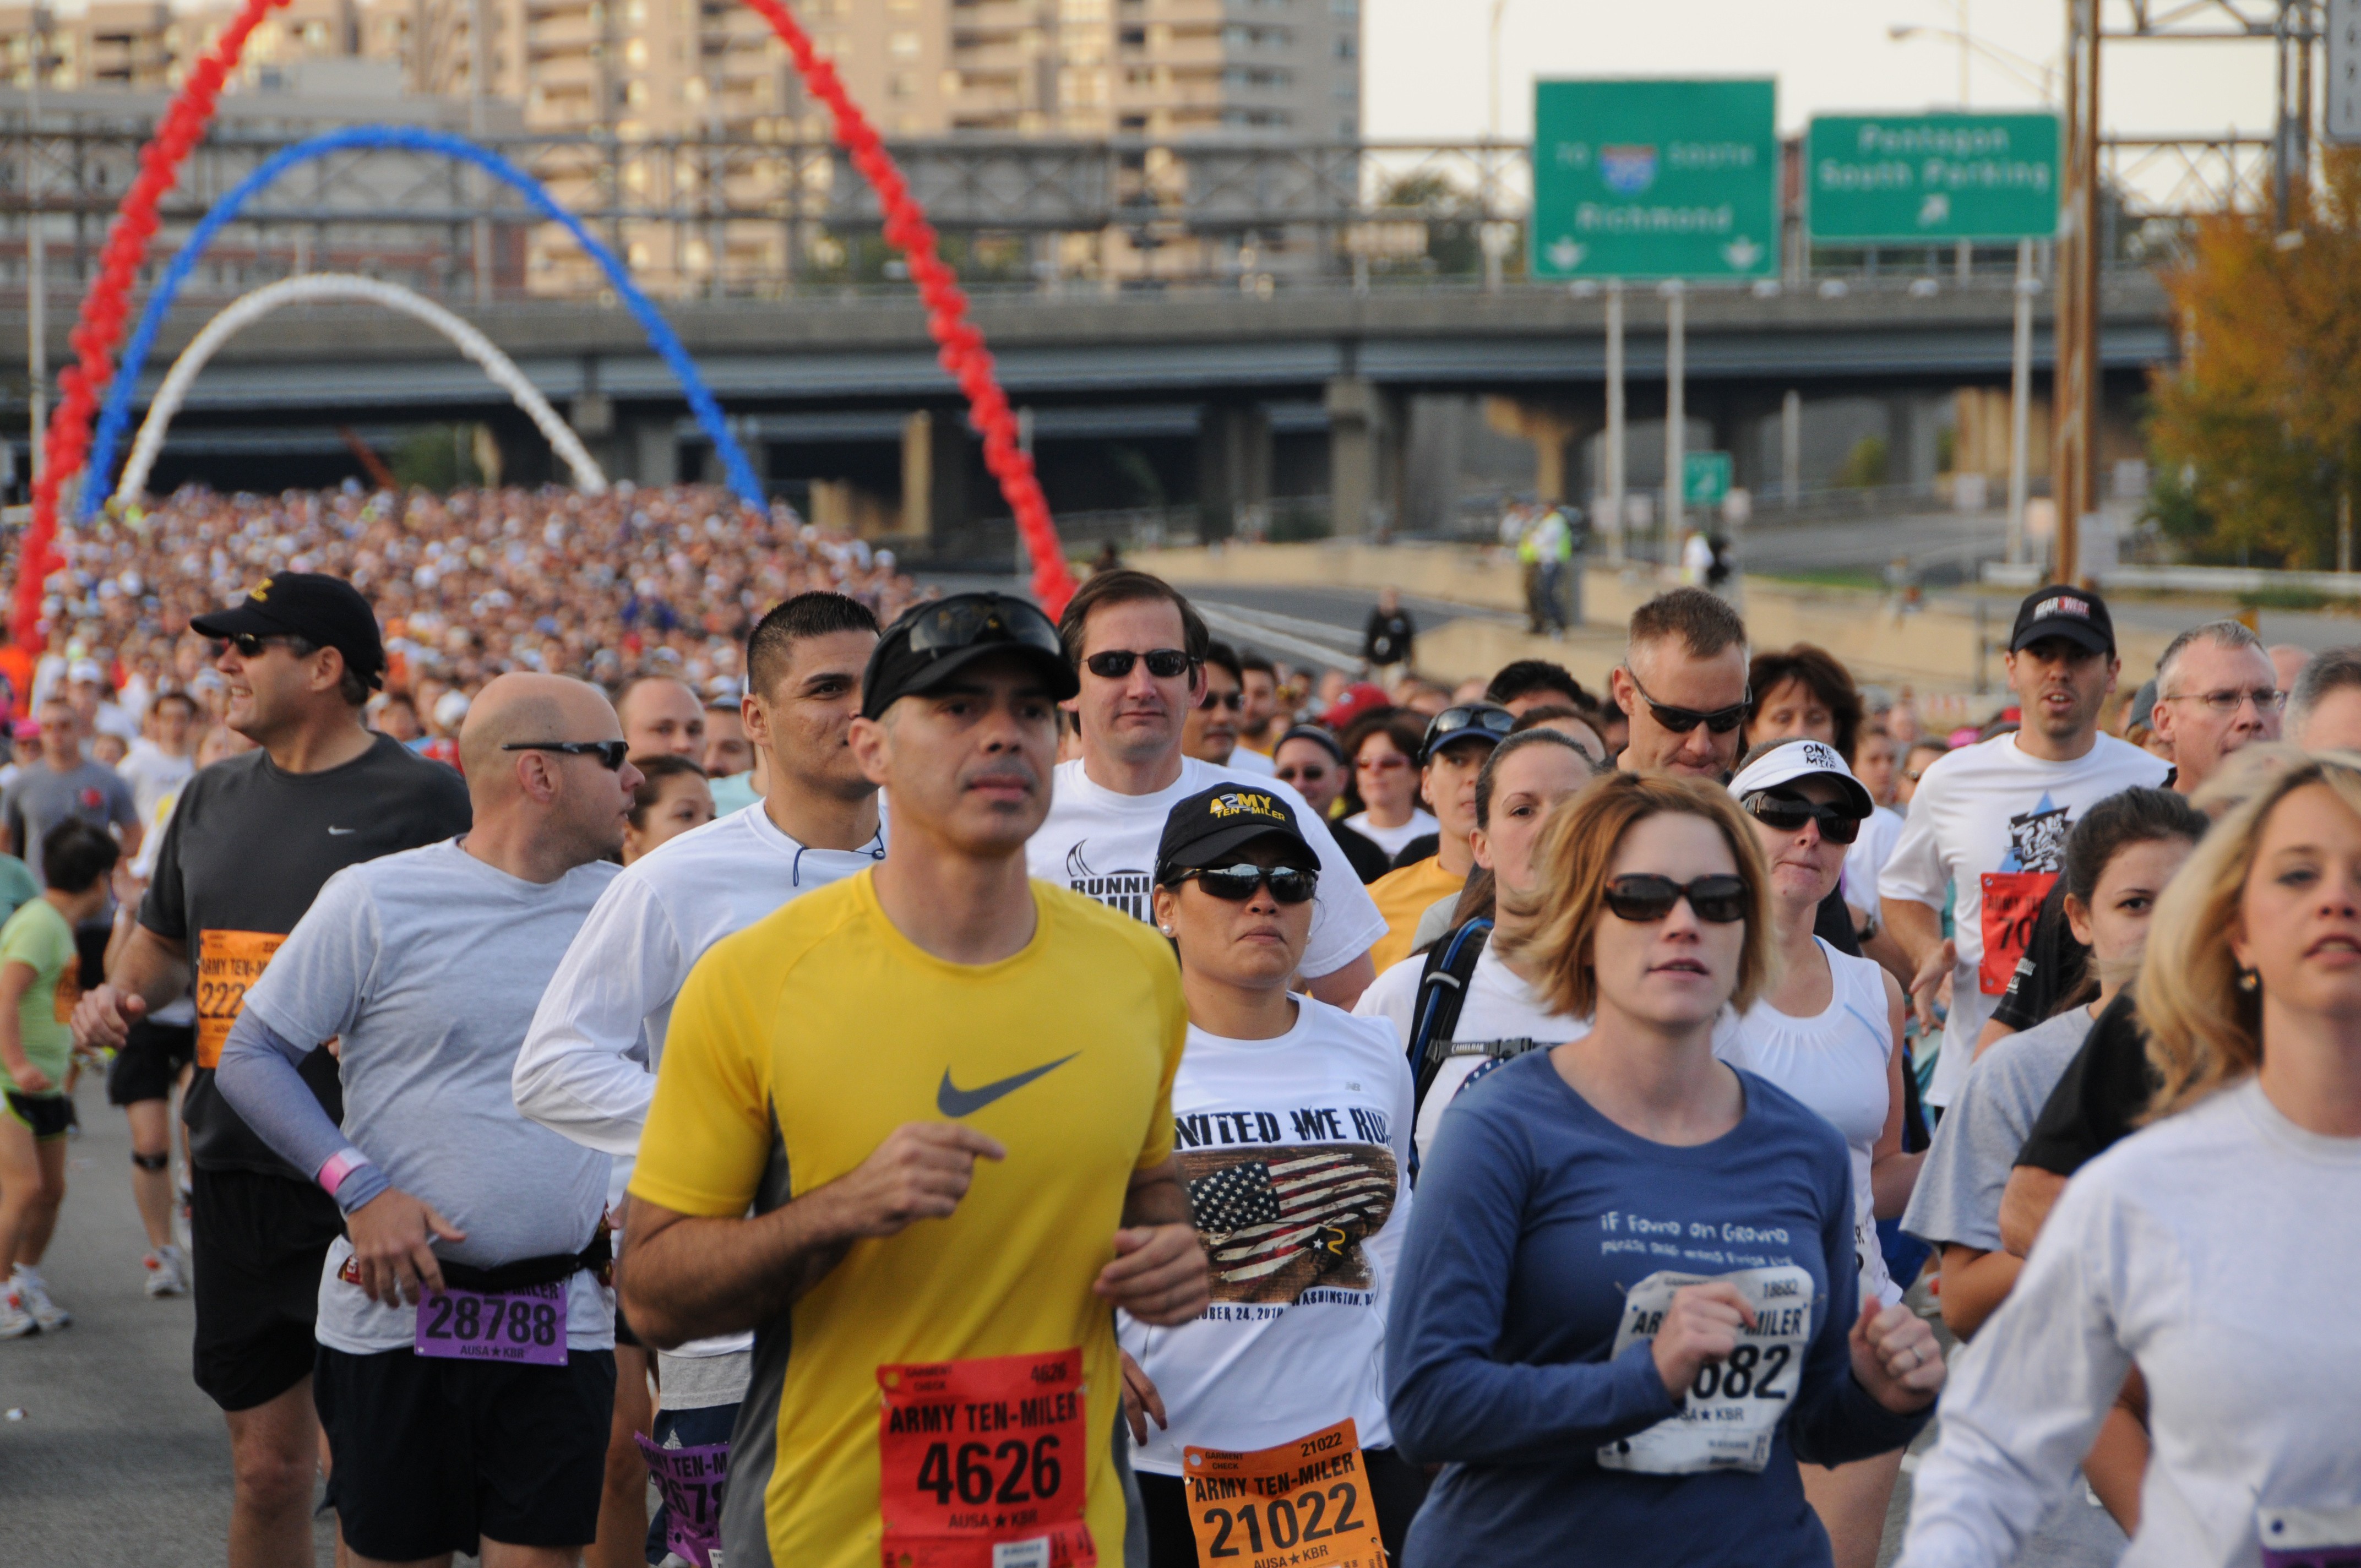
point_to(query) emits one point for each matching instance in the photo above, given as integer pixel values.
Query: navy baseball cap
(1222, 820)
(2061, 610)
(932, 643)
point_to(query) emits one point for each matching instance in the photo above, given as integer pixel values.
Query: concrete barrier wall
(1932, 649)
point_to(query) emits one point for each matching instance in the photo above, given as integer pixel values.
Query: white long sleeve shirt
(2220, 1251)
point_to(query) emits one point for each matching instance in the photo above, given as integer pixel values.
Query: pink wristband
(338, 1166)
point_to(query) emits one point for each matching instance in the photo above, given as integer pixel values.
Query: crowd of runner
(924, 1083)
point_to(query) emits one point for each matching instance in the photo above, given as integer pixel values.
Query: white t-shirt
(1296, 1152)
(1102, 845)
(1392, 840)
(427, 965)
(2216, 1251)
(1247, 761)
(153, 775)
(1992, 822)
(1836, 1062)
(587, 1069)
(1499, 1007)
(1867, 858)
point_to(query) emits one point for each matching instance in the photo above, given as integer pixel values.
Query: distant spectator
(1388, 643)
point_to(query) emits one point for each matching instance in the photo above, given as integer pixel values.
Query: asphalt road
(108, 1455)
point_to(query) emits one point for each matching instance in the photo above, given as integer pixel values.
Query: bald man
(465, 1340)
(661, 717)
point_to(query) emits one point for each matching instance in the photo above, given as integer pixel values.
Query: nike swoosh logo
(339, 832)
(954, 1101)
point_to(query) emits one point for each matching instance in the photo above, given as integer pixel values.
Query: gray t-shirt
(40, 797)
(1957, 1199)
(428, 965)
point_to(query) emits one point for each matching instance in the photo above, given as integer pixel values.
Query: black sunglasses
(971, 619)
(1643, 898)
(1784, 813)
(1452, 721)
(1235, 701)
(611, 755)
(249, 644)
(1164, 663)
(1681, 720)
(1288, 885)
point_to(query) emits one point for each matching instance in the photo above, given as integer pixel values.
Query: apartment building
(638, 77)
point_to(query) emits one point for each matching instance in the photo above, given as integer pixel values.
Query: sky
(1425, 62)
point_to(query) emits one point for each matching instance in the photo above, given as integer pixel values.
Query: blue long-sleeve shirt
(1536, 1218)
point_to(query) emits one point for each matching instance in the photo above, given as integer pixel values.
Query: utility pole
(1675, 412)
(1616, 510)
(2075, 398)
(2020, 400)
(2291, 37)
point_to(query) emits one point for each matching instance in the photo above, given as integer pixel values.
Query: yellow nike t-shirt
(797, 1046)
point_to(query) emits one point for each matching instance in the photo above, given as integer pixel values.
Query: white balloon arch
(310, 287)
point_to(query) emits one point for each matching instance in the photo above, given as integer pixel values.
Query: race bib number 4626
(985, 1463)
(228, 962)
(1733, 1408)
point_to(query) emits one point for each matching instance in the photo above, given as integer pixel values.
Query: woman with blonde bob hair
(1635, 1296)
(2215, 1248)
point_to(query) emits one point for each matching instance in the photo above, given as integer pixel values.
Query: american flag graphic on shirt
(1278, 1219)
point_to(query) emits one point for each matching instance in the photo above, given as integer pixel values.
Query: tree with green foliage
(2257, 430)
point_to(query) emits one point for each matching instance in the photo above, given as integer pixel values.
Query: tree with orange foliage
(2260, 425)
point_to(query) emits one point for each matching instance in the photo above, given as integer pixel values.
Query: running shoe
(167, 1271)
(35, 1296)
(15, 1322)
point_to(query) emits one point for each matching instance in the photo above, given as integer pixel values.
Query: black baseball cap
(1485, 721)
(2061, 610)
(1224, 820)
(931, 643)
(327, 612)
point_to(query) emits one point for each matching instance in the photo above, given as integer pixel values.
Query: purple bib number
(691, 1482)
(2310, 1538)
(526, 1325)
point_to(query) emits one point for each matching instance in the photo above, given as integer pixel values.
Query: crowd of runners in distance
(918, 1082)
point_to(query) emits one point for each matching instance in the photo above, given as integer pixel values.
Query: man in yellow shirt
(1458, 740)
(936, 1380)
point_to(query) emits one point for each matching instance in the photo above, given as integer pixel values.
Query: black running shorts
(259, 1244)
(149, 1062)
(431, 1453)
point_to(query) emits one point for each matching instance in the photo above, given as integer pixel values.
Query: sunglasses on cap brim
(1458, 723)
(985, 619)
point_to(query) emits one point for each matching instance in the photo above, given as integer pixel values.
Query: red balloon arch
(960, 346)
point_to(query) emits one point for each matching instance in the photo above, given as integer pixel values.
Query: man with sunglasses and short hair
(245, 851)
(1450, 755)
(1681, 686)
(1309, 760)
(1990, 822)
(1211, 731)
(915, 1130)
(1139, 649)
(466, 1363)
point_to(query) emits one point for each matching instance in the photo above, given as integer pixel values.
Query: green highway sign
(1655, 180)
(1704, 478)
(1894, 178)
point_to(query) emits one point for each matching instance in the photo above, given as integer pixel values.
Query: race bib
(2012, 904)
(228, 963)
(691, 1480)
(525, 1325)
(1728, 1419)
(1300, 1502)
(985, 1463)
(2310, 1538)
(68, 991)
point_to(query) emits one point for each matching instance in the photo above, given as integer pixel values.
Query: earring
(1166, 929)
(2249, 981)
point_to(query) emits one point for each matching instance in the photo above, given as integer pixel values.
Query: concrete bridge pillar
(1554, 428)
(1364, 466)
(652, 448)
(936, 504)
(1234, 458)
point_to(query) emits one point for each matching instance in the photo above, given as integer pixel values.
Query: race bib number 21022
(1733, 1409)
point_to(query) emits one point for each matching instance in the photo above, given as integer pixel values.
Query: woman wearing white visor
(1827, 1031)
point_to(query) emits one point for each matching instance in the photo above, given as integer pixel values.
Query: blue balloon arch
(116, 418)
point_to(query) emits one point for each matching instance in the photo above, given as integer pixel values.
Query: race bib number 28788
(1733, 1409)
